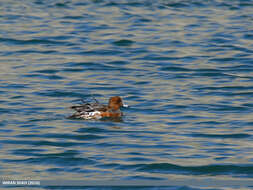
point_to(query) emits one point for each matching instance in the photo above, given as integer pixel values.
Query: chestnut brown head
(115, 102)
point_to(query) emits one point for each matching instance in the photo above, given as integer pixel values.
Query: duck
(97, 110)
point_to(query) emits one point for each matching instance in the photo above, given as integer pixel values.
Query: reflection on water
(184, 67)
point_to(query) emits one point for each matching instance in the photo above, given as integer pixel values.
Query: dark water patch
(136, 153)
(49, 76)
(226, 88)
(139, 177)
(81, 64)
(248, 105)
(61, 38)
(62, 5)
(110, 165)
(27, 125)
(179, 43)
(223, 136)
(47, 71)
(139, 159)
(164, 58)
(57, 93)
(5, 131)
(219, 40)
(56, 170)
(157, 58)
(55, 143)
(126, 4)
(223, 107)
(91, 130)
(142, 146)
(221, 93)
(237, 48)
(245, 4)
(211, 170)
(188, 117)
(15, 86)
(62, 136)
(240, 68)
(205, 70)
(215, 75)
(2, 92)
(123, 42)
(176, 4)
(105, 145)
(225, 59)
(8, 110)
(41, 143)
(118, 63)
(113, 130)
(17, 97)
(176, 123)
(70, 17)
(101, 52)
(12, 41)
(29, 51)
(142, 82)
(47, 118)
(226, 152)
(214, 49)
(11, 17)
(73, 169)
(27, 152)
(144, 20)
(248, 36)
(53, 160)
(210, 123)
(175, 106)
(196, 156)
(3, 123)
(221, 158)
(175, 69)
(73, 69)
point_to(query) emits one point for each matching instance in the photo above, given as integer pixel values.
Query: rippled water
(184, 67)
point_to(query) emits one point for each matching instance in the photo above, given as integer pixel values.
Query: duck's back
(88, 111)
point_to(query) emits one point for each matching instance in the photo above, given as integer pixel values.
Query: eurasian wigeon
(97, 111)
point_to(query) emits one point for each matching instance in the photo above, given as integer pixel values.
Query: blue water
(184, 67)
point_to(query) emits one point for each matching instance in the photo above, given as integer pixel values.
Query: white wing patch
(91, 115)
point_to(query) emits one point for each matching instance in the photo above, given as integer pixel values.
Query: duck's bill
(125, 106)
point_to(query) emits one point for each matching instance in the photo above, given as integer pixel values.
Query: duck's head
(115, 103)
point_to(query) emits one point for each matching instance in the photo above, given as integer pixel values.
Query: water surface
(184, 67)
